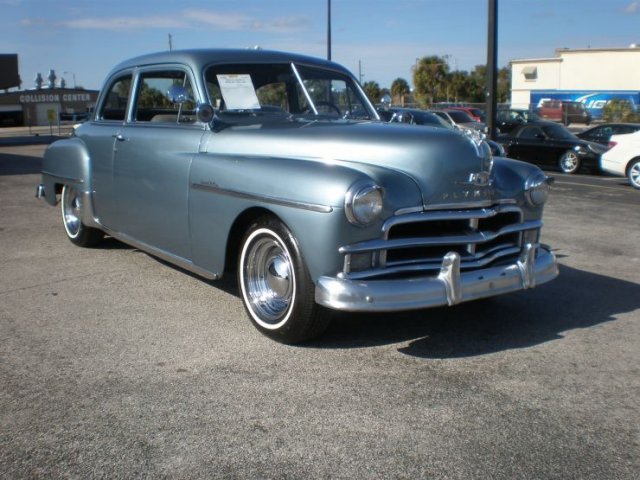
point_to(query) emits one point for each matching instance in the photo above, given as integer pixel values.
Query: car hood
(439, 161)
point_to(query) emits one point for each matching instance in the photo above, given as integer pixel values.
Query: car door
(529, 144)
(99, 135)
(152, 159)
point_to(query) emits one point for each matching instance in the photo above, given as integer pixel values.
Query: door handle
(119, 137)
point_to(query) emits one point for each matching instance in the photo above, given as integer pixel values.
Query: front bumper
(451, 286)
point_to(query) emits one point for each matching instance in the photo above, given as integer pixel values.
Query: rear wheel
(276, 288)
(633, 173)
(77, 232)
(569, 162)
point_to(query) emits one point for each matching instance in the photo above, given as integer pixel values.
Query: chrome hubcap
(71, 207)
(634, 174)
(569, 162)
(268, 279)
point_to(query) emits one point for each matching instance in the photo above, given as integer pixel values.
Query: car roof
(221, 55)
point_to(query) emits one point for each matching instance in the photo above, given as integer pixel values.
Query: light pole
(74, 78)
(328, 29)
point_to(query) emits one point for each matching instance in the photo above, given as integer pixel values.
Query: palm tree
(429, 78)
(400, 88)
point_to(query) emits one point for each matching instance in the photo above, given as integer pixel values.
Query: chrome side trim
(206, 187)
(62, 178)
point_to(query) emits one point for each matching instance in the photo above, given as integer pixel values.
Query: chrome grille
(417, 243)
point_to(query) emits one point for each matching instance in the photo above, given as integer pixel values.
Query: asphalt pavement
(114, 364)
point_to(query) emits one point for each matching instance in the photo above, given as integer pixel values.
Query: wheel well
(631, 162)
(238, 229)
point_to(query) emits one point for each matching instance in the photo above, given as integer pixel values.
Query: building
(592, 76)
(46, 104)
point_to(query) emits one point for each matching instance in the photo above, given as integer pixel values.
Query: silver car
(276, 166)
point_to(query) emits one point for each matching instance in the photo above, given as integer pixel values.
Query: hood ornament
(477, 139)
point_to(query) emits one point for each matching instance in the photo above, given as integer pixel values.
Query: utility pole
(492, 73)
(360, 71)
(170, 42)
(328, 29)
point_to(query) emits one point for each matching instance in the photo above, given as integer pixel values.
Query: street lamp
(74, 78)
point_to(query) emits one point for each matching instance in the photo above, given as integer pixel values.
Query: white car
(623, 157)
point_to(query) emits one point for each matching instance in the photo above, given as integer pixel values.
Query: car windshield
(558, 132)
(460, 116)
(240, 92)
(426, 118)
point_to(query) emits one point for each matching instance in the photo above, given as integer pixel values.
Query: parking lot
(114, 364)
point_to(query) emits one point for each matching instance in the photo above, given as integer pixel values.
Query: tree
(458, 85)
(400, 87)
(372, 89)
(429, 78)
(620, 110)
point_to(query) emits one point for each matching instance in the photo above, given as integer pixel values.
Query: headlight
(363, 203)
(536, 188)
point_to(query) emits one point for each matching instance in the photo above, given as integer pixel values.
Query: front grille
(416, 243)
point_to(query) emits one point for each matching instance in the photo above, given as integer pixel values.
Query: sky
(377, 40)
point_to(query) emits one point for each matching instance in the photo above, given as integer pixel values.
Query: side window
(115, 105)
(530, 132)
(273, 96)
(152, 103)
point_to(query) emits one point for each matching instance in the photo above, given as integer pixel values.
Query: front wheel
(633, 173)
(77, 232)
(277, 290)
(569, 162)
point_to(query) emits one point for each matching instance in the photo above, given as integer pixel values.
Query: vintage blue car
(276, 166)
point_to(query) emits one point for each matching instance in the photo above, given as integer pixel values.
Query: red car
(476, 113)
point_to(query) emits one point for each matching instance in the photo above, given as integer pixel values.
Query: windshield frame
(351, 84)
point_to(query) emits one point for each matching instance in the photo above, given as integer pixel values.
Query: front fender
(308, 195)
(66, 162)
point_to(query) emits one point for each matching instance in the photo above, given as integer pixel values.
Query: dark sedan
(551, 145)
(415, 116)
(602, 133)
(508, 119)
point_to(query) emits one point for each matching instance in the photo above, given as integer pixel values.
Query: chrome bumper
(40, 191)
(535, 266)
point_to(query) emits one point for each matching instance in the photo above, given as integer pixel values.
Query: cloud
(633, 7)
(187, 19)
(123, 23)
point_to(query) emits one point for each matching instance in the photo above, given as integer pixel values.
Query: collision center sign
(54, 97)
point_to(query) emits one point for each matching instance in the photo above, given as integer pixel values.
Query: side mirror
(540, 136)
(178, 94)
(386, 101)
(205, 112)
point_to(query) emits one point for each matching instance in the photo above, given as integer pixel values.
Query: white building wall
(547, 76)
(599, 70)
(586, 69)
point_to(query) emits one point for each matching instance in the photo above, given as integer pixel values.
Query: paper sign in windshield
(238, 92)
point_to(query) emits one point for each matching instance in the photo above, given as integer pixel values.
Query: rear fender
(66, 162)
